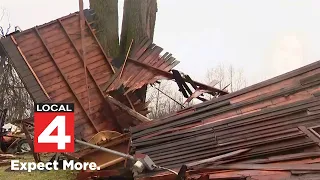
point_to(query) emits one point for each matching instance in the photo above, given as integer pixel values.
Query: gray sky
(263, 38)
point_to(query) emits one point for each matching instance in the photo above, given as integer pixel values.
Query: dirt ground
(6, 174)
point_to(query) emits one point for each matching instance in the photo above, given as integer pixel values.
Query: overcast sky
(263, 38)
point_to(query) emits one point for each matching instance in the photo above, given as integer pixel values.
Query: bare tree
(13, 95)
(230, 79)
(164, 99)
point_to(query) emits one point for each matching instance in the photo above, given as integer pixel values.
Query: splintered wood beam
(131, 112)
(125, 60)
(130, 102)
(65, 78)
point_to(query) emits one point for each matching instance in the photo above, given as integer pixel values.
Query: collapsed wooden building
(269, 130)
(58, 62)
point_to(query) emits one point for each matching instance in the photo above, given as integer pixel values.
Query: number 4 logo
(61, 139)
(54, 127)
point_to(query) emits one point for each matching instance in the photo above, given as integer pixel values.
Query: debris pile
(58, 62)
(269, 130)
(270, 122)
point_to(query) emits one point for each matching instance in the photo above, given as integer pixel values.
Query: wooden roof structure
(49, 60)
(61, 62)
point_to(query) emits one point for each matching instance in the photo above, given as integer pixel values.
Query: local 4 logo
(54, 127)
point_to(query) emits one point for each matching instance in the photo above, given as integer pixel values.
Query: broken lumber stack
(279, 117)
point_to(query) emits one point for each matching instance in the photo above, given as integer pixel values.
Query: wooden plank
(49, 74)
(160, 64)
(47, 31)
(54, 38)
(62, 97)
(88, 42)
(148, 54)
(282, 158)
(37, 56)
(310, 135)
(72, 67)
(268, 167)
(46, 24)
(216, 158)
(49, 82)
(95, 61)
(33, 51)
(63, 53)
(71, 20)
(55, 28)
(39, 61)
(142, 47)
(310, 79)
(76, 78)
(94, 101)
(60, 48)
(83, 96)
(69, 62)
(74, 73)
(102, 78)
(66, 58)
(99, 70)
(26, 37)
(59, 91)
(128, 110)
(142, 72)
(43, 66)
(30, 68)
(52, 56)
(82, 88)
(94, 107)
(80, 85)
(58, 42)
(111, 67)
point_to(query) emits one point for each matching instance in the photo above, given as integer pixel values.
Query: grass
(35, 175)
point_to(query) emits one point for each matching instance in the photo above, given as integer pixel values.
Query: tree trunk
(106, 22)
(139, 17)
